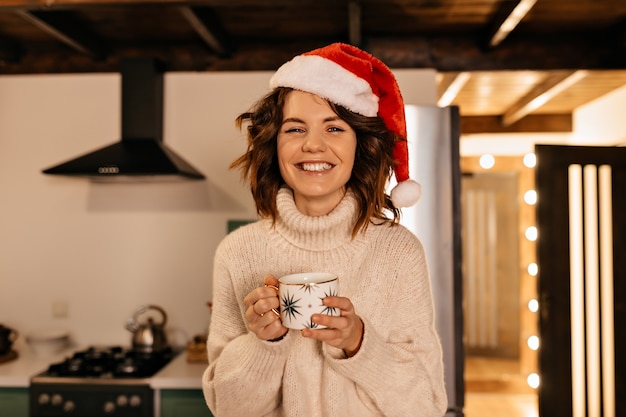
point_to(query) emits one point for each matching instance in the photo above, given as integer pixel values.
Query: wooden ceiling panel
(285, 22)
(137, 24)
(492, 93)
(574, 15)
(594, 85)
(13, 26)
(564, 52)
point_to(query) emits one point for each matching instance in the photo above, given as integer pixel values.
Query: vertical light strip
(482, 247)
(577, 318)
(470, 221)
(592, 290)
(606, 291)
(492, 251)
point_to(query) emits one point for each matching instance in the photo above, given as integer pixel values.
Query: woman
(321, 149)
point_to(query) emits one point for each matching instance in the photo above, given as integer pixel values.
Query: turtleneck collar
(315, 233)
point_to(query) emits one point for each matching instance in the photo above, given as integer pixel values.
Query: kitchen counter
(17, 373)
(178, 374)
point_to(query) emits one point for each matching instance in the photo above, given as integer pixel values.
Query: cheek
(284, 154)
(349, 154)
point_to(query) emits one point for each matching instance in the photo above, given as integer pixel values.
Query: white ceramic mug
(301, 296)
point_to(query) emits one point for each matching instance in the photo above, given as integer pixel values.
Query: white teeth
(316, 167)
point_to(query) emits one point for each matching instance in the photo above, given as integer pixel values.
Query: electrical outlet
(59, 309)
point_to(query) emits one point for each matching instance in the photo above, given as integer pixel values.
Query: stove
(98, 381)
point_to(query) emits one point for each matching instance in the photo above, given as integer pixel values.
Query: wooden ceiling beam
(47, 4)
(62, 26)
(444, 54)
(534, 123)
(206, 24)
(459, 53)
(552, 85)
(10, 51)
(450, 86)
(506, 19)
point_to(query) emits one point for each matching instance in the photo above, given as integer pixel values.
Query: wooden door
(491, 293)
(581, 253)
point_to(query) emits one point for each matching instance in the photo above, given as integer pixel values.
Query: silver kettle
(148, 336)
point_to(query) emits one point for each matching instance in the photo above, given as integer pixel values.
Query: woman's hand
(344, 331)
(262, 310)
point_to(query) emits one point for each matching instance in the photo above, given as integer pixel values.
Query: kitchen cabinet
(183, 403)
(14, 402)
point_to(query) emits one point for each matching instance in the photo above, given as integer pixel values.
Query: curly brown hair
(372, 169)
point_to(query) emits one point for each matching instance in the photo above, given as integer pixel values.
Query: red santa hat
(352, 78)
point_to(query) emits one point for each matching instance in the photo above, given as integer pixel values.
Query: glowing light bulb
(487, 161)
(533, 342)
(531, 233)
(530, 197)
(533, 380)
(533, 305)
(530, 160)
(533, 269)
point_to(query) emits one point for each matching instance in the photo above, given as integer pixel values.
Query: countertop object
(17, 373)
(9, 356)
(178, 374)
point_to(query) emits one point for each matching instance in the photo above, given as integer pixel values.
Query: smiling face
(316, 152)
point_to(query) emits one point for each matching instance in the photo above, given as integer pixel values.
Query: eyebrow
(297, 120)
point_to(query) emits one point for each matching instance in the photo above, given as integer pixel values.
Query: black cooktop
(110, 363)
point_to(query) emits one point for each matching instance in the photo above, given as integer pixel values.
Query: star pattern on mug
(290, 306)
(330, 311)
(308, 287)
(309, 324)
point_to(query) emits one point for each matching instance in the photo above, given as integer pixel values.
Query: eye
(336, 129)
(293, 129)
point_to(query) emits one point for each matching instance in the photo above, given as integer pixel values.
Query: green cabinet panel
(14, 402)
(183, 403)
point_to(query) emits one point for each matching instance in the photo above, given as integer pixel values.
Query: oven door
(91, 400)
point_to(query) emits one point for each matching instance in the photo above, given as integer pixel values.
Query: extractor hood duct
(141, 153)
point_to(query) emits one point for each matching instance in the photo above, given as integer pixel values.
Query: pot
(7, 337)
(148, 336)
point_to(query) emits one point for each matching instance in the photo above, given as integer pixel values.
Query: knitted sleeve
(398, 370)
(244, 375)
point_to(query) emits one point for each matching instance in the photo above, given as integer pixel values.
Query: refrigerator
(434, 134)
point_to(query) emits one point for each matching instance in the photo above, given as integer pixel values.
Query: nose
(314, 142)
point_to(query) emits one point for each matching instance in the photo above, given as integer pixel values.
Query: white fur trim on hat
(406, 194)
(327, 79)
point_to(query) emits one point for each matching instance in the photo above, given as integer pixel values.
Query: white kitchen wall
(602, 121)
(101, 250)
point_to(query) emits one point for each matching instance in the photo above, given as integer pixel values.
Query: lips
(315, 166)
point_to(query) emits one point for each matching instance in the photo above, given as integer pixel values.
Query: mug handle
(275, 311)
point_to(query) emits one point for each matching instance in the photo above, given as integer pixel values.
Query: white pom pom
(406, 194)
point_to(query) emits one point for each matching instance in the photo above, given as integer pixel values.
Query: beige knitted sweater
(398, 370)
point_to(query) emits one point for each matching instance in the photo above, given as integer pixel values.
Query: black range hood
(141, 153)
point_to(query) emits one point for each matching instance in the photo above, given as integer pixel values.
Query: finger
(265, 305)
(251, 315)
(257, 294)
(342, 303)
(251, 298)
(273, 330)
(331, 322)
(328, 335)
(271, 281)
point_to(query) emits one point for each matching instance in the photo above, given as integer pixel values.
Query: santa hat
(354, 79)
